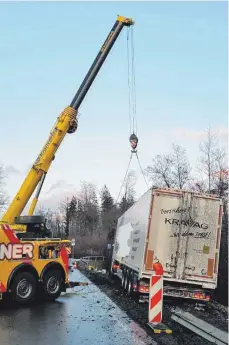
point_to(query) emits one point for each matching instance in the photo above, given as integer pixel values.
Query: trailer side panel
(131, 233)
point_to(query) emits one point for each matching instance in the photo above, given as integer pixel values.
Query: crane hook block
(133, 141)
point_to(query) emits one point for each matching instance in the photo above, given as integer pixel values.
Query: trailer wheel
(126, 280)
(52, 285)
(129, 287)
(23, 287)
(123, 278)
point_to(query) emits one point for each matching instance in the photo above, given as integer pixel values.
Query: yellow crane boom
(66, 123)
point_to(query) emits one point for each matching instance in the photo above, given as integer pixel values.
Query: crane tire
(23, 288)
(52, 285)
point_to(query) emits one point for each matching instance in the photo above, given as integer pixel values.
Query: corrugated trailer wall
(131, 233)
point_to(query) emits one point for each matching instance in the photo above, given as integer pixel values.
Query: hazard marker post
(156, 301)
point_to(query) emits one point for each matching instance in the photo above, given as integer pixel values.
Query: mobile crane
(29, 266)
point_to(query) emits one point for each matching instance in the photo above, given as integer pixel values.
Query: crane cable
(131, 155)
(131, 81)
(142, 171)
(132, 104)
(128, 79)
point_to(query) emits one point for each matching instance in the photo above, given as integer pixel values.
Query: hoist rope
(132, 103)
(124, 178)
(131, 81)
(128, 166)
(142, 171)
(128, 77)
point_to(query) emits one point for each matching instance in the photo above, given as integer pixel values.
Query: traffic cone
(75, 265)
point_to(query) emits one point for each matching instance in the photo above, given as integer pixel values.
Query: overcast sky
(47, 48)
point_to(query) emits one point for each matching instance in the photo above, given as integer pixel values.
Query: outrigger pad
(160, 328)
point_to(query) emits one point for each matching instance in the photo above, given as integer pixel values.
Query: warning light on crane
(133, 141)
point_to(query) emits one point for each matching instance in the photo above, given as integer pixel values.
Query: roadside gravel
(214, 314)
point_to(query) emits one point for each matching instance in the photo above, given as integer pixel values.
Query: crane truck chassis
(32, 263)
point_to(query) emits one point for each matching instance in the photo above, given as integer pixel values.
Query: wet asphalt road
(86, 317)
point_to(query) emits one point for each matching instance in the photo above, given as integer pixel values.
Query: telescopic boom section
(98, 62)
(66, 123)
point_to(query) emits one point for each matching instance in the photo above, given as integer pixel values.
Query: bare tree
(41, 210)
(181, 168)
(51, 221)
(129, 192)
(197, 185)
(65, 211)
(129, 185)
(171, 169)
(220, 177)
(214, 164)
(3, 195)
(207, 159)
(90, 207)
(160, 172)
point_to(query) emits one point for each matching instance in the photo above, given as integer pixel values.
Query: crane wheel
(52, 285)
(23, 287)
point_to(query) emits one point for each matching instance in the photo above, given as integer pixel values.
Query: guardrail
(200, 327)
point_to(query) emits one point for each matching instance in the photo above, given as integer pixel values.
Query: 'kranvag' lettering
(190, 223)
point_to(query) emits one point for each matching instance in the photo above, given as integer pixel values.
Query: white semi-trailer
(179, 229)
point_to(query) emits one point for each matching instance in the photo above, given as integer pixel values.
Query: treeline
(91, 216)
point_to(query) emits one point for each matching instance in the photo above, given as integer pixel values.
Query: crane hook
(133, 142)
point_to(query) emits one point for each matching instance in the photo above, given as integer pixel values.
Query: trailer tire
(123, 281)
(23, 287)
(52, 285)
(126, 280)
(129, 287)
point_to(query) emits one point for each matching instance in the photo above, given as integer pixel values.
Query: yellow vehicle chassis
(24, 255)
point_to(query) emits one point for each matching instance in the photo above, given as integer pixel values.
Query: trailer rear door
(201, 245)
(184, 234)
